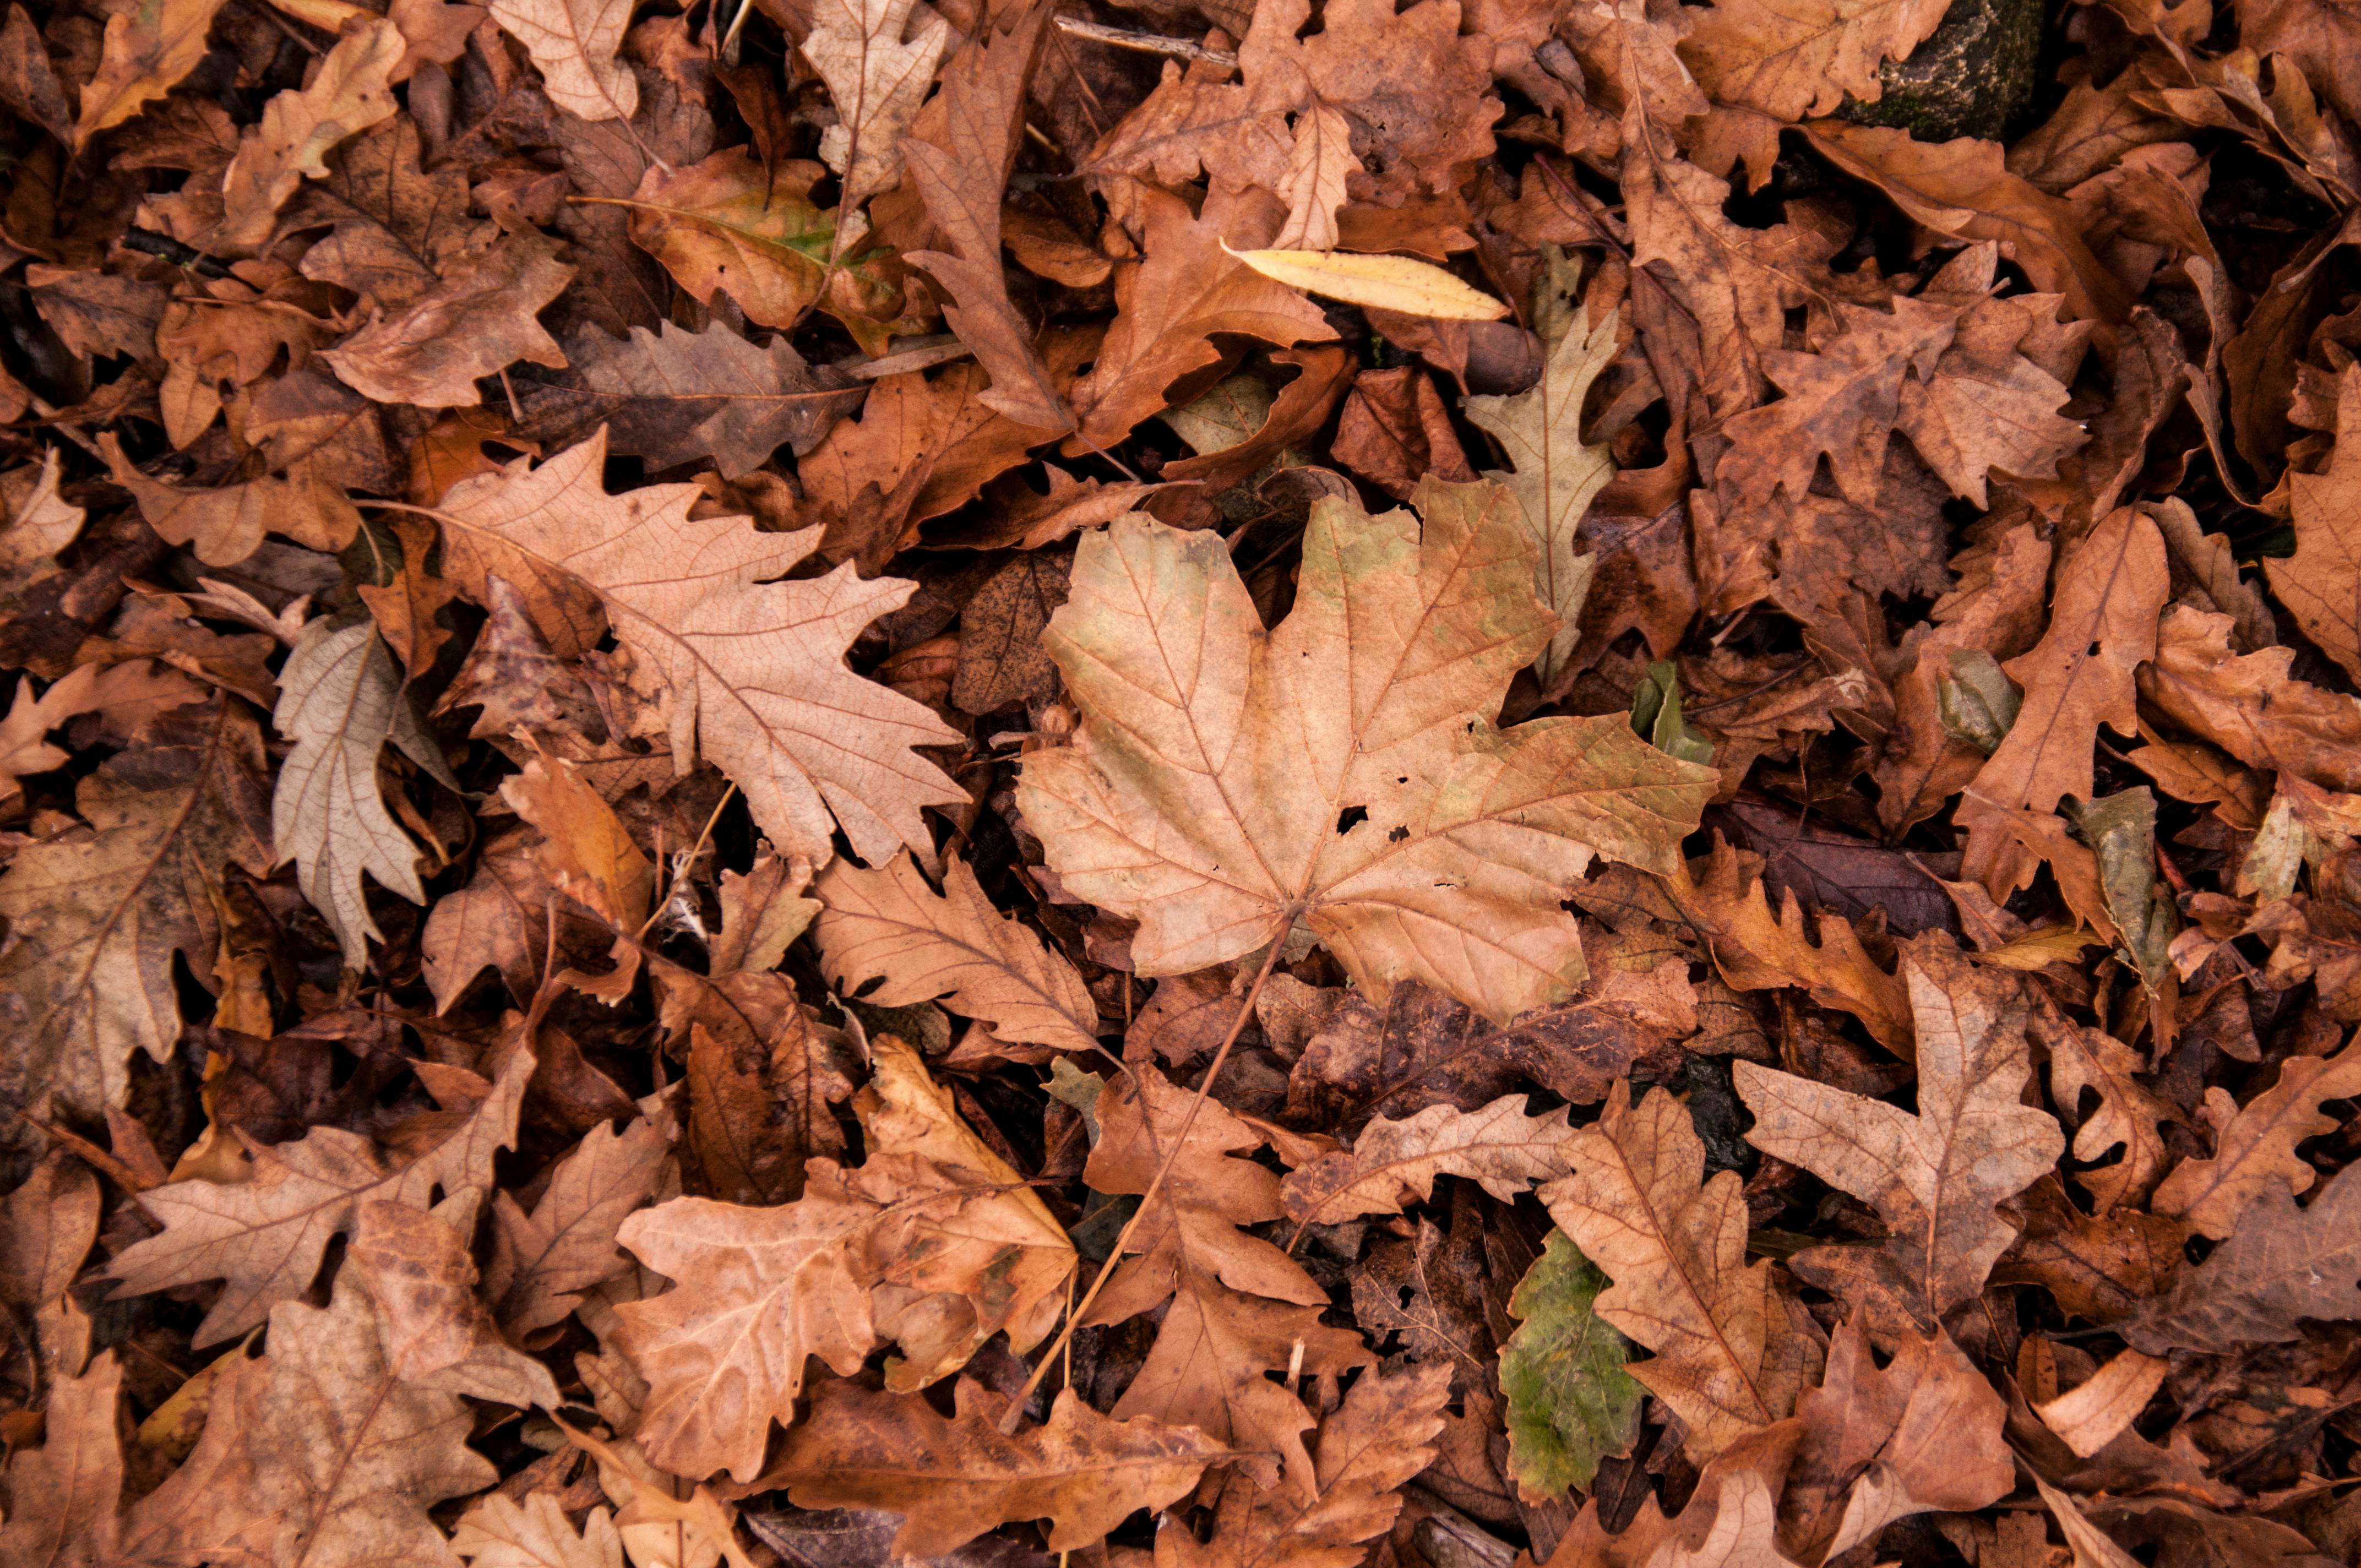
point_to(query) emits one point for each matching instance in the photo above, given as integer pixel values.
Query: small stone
(1970, 78)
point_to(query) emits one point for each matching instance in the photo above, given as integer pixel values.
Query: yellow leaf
(1384, 283)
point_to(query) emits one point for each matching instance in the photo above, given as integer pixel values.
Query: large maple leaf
(755, 666)
(1341, 771)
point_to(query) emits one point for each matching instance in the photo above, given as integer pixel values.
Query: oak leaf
(934, 1242)
(729, 225)
(2279, 1263)
(340, 699)
(755, 664)
(952, 1479)
(1570, 1403)
(2254, 1148)
(1557, 476)
(143, 55)
(477, 321)
(435, 1330)
(1374, 1442)
(877, 79)
(263, 1237)
(2248, 704)
(316, 1456)
(1937, 1177)
(1394, 1164)
(1733, 1346)
(1239, 1308)
(500, 1532)
(1785, 63)
(63, 1495)
(2127, 1117)
(541, 1262)
(889, 925)
(1228, 783)
(574, 43)
(87, 979)
(2321, 582)
(352, 90)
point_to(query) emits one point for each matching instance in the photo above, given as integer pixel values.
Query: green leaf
(1571, 1404)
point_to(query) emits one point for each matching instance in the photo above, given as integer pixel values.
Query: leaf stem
(1014, 1414)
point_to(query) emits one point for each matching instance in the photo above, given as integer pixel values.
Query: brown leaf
(500, 1532)
(1001, 661)
(1394, 432)
(1395, 1163)
(226, 525)
(88, 979)
(263, 1237)
(352, 90)
(437, 1333)
(953, 1479)
(811, 745)
(541, 1262)
(64, 1494)
(144, 56)
(2100, 1407)
(1733, 1347)
(1936, 1177)
(1349, 825)
(2127, 1115)
(2248, 704)
(889, 925)
(2254, 1149)
(1239, 1308)
(2321, 582)
(574, 42)
(475, 322)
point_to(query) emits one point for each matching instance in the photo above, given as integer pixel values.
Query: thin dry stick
(1015, 1411)
(1145, 43)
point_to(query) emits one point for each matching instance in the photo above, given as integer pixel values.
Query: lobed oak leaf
(436, 1331)
(352, 90)
(340, 700)
(265, 1237)
(2321, 582)
(502, 1533)
(2127, 1117)
(1229, 783)
(2254, 1148)
(226, 525)
(317, 1456)
(2248, 704)
(764, 1074)
(1570, 1403)
(1733, 1346)
(1239, 1306)
(1374, 1442)
(729, 224)
(1394, 1164)
(574, 42)
(541, 1262)
(952, 1479)
(889, 925)
(1936, 1177)
(476, 321)
(143, 55)
(877, 79)
(675, 397)
(1788, 61)
(87, 979)
(1557, 476)
(2080, 675)
(755, 666)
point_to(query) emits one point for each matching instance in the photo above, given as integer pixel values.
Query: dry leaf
(2254, 1149)
(1394, 1164)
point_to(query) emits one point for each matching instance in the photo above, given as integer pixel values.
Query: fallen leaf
(1396, 283)
(144, 55)
(1570, 1403)
(500, 1532)
(477, 321)
(2254, 1149)
(2096, 1410)
(1394, 1164)
(877, 78)
(574, 42)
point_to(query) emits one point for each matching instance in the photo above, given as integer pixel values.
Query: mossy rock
(1970, 78)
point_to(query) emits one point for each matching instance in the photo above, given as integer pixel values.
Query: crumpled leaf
(1237, 759)
(953, 1479)
(143, 55)
(2321, 582)
(475, 322)
(352, 92)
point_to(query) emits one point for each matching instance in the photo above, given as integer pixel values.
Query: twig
(1015, 1411)
(1146, 43)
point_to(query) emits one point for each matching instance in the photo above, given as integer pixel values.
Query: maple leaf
(891, 1250)
(755, 666)
(889, 925)
(1732, 1346)
(1228, 782)
(87, 979)
(877, 79)
(1936, 1177)
(2255, 1144)
(1570, 1403)
(1376, 1439)
(1394, 1164)
(1239, 1308)
(263, 1237)
(574, 43)
(475, 322)
(1557, 475)
(2278, 1265)
(953, 1479)
(1168, 307)
(317, 1456)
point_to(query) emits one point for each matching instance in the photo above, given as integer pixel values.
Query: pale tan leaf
(64, 1494)
(352, 90)
(436, 1332)
(2093, 1412)
(877, 79)
(574, 43)
(1398, 283)
(889, 924)
(499, 1532)
(1394, 1164)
